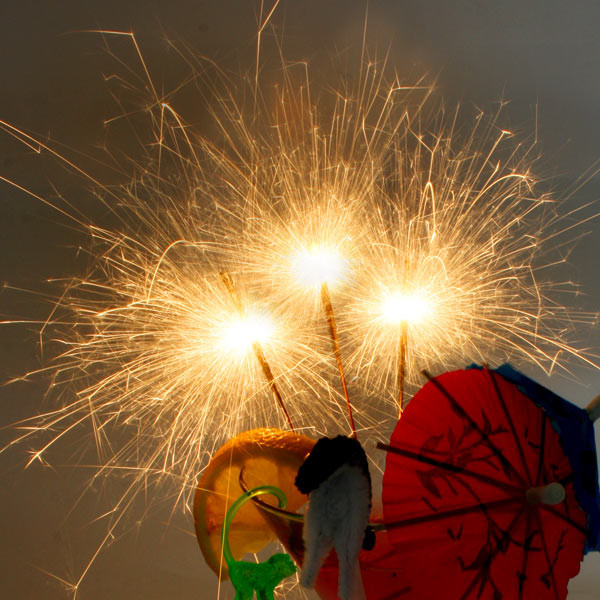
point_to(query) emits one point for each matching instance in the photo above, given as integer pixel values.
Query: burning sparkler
(321, 267)
(399, 309)
(250, 331)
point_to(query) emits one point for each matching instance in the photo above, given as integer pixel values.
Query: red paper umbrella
(478, 489)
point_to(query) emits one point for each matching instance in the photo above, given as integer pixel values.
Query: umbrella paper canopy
(478, 486)
(576, 429)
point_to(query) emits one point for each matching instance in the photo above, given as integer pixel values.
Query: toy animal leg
(243, 595)
(244, 590)
(347, 552)
(265, 594)
(317, 548)
(358, 588)
(350, 586)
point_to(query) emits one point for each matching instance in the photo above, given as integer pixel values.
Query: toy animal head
(282, 565)
(328, 455)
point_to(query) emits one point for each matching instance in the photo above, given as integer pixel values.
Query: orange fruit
(268, 457)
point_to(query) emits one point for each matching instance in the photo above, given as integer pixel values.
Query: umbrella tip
(593, 409)
(553, 493)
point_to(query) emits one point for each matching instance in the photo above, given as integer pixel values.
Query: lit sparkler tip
(242, 332)
(405, 307)
(317, 265)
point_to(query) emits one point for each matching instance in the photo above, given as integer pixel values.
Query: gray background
(544, 56)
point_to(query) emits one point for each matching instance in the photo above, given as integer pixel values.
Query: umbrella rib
(564, 518)
(509, 419)
(398, 593)
(454, 512)
(567, 479)
(485, 437)
(526, 550)
(493, 554)
(507, 487)
(542, 450)
(547, 556)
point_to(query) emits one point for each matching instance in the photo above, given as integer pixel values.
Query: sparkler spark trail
(461, 235)
(411, 203)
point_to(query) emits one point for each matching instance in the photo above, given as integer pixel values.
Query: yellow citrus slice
(268, 457)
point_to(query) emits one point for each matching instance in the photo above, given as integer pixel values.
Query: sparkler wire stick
(401, 373)
(326, 300)
(257, 349)
(262, 360)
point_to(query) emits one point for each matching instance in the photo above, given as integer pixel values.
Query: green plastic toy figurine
(248, 577)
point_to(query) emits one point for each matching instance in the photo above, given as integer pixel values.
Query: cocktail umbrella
(576, 429)
(478, 487)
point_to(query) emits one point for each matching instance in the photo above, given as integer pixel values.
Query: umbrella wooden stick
(257, 348)
(328, 307)
(501, 504)
(549, 494)
(593, 409)
(514, 490)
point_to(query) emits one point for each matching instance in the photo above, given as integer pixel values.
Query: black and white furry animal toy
(336, 476)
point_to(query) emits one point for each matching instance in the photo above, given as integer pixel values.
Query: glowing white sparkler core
(402, 307)
(242, 332)
(318, 265)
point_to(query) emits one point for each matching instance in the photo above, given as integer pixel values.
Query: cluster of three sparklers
(398, 309)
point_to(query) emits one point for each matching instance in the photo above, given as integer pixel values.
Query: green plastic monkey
(248, 577)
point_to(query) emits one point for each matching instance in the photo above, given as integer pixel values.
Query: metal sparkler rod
(262, 360)
(401, 372)
(328, 307)
(228, 281)
(257, 348)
